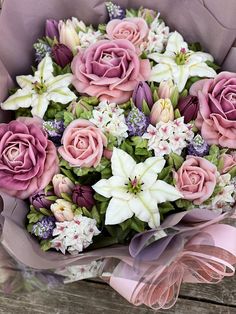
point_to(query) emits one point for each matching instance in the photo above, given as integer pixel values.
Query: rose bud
(62, 55)
(166, 89)
(163, 111)
(142, 94)
(39, 200)
(51, 29)
(68, 34)
(188, 107)
(62, 184)
(83, 196)
(62, 210)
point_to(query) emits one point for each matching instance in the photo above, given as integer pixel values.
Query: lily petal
(117, 211)
(122, 164)
(145, 208)
(59, 81)
(103, 188)
(181, 75)
(21, 99)
(39, 105)
(62, 95)
(202, 70)
(176, 43)
(164, 192)
(25, 81)
(45, 69)
(160, 72)
(162, 58)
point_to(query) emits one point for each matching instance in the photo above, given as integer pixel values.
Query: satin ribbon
(207, 257)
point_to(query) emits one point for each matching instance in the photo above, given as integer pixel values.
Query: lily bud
(62, 210)
(62, 55)
(62, 184)
(68, 35)
(163, 111)
(188, 107)
(142, 95)
(83, 196)
(51, 29)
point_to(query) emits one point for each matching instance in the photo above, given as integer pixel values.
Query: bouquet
(120, 160)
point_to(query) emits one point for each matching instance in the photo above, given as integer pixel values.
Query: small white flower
(172, 136)
(109, 117)
(135, 190)
(179, 63)
(74, 236)
(38, 90)
(88, 37)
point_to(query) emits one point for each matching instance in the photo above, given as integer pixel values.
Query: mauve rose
(217, 109)
(196, 179)
(228, 161)
(28, 160)
(83, 144)
(134, 29)
(109, 70)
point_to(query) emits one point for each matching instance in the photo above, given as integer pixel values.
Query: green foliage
(184, 204)
(68, 117)
(45, 245)
(166, 175)
(165, 208)
(54, 110)
(57, 70)
(175, 160)
(23, 112)
(195, 46)
(34, 216)
(232, 172)
(213, 65)
(214, 154)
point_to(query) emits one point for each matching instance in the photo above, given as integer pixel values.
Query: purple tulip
(51, 29)
(62, 55)
(188, 107)
(39, 200)
(142, 92)
(82, 195)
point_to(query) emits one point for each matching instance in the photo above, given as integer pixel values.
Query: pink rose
(228, 161)
(28, 160)
(196, 179)
(83, 144)
(217, 112)
(109, 70)
(134, 29)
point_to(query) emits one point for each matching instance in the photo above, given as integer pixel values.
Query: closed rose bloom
(83, 144)
(162, 111)
(196, 179)
(68, 35)
(62, 210)
(28, 160)
(134, 29)
(62, 184)
(217, 109)
(83, 196)
(109, 70)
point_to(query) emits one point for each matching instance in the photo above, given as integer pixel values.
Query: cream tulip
(62, 210)
(162, 110)
(68, 35)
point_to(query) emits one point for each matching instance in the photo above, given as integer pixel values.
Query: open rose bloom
(116, 152)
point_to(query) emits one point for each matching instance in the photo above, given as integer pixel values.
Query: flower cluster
(74, 236)
(172, 136)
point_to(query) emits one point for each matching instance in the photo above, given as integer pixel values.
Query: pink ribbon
(207, 257)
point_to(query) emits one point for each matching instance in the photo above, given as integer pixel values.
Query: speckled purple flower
(54, 129)
(115, 11)
(137, 122)
(43, 229)
(198, 147)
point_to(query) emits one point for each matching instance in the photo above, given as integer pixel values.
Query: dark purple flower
(115, 11)
(62, 55)
(137, 122)
(54, 129)
(43, 229)
(188, 107)
(51, 29)
(198, 147)
(141, 93)
(39, 200)
(82, 195)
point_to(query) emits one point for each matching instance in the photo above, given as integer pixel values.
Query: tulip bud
(62, 55)
(142, 95)
(83, 196)
(51, 29)
(165, 89)
(163, 111)
(147, 14)
(62, 210)
(39, 200)
(188, 107)
(68, 35)
(62, 184)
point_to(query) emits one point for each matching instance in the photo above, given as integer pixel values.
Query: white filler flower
(134, 189)
(179, 63)
(38, 90)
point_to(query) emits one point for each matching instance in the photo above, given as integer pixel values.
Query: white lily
(38, 90)
(134, 189)
(179, 63)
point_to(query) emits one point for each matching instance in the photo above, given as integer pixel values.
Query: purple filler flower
(51, 29)
(82, 195)
(198, 147)
(142, 92)
(62, 55)
(115, 11)
(54, 129)
(39, 200)
(137, 122)
(43, 229)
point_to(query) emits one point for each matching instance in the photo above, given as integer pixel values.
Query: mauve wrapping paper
(22, 22)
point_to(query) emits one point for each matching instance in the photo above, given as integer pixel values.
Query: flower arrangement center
(134, 185)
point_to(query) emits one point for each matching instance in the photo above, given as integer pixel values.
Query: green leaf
(166, 207)
(196, 46)
(165, 173)
(78, 211)
(45, 245)
(137, 225)
(52, 198)
(106, 173)
(181, 203)
(177, 114)
(103, 207)
(95, 214)
(232, 172)
(214, 150)
(125, 224)
(30, 227)
(175, 160)
(155, 96)
(66, 197)
(184, 93)
(100, 198)
(45, 212)
(68, 174)
(34, 216)
(145, 108)
(127, 147)
(68, 117)
(49, 187)
(86, 212)
(175, 97)
(213, 65)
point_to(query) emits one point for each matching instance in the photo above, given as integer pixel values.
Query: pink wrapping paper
(21, 23)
